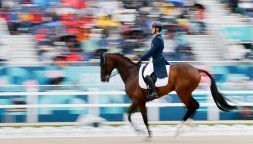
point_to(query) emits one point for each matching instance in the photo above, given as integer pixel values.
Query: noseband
(103, 62)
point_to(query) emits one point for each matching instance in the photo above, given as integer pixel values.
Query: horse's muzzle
(107, 78)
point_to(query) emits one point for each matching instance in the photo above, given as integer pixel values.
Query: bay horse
(183, 78)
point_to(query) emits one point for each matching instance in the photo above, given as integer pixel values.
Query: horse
(183, 79)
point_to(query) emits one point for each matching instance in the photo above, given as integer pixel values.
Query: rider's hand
(138, 63)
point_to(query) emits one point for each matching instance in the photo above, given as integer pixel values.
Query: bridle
(103, 62)
(107, 76)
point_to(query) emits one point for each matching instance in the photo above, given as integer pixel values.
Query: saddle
(158, 82)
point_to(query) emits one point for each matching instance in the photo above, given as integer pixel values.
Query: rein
(103, 61)
(118, 72)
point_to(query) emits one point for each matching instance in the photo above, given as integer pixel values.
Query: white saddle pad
(159, 82)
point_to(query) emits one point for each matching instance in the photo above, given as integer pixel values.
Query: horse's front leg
(143, 110)
(131, 109)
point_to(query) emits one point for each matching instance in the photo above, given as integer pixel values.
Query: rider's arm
(155, 46)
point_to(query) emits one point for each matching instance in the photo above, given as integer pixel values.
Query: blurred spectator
(199, 17)
(15, 23)
(103, 46)
(134, 4)
(3, 27)
(189, 3)
(131, 39)
(169, 47)
(183, 21)
(25, 24)
(55, 73)
(74, 57)
(233, 4)
(36, 18)
(3, 47)
(183, 49)
(249, 54)
(26, 1)
(43, 42)
(121, 26)
(235, 52)
(75, 3)
(9, 3)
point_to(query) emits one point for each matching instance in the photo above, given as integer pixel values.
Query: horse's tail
(219, 99)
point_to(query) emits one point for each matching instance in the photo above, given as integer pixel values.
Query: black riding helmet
(158, 24)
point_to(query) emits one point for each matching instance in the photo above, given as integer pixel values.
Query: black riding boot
(152, 94)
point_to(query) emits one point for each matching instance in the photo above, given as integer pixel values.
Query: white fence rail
(32, 101)
(94, 105)
(110, 93)
(109, 105)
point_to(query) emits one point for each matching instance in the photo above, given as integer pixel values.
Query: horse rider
(157, 61)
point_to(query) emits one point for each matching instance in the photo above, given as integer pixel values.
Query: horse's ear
(102, 58)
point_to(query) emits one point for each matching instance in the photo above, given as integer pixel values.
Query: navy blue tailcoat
(155, 52)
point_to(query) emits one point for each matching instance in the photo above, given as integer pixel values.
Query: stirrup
(152, 97)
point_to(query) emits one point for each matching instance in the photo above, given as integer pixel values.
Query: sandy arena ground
(135, 140)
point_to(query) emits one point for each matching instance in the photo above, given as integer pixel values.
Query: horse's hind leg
(191, 104)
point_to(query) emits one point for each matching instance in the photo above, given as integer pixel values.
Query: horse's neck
(126, 69)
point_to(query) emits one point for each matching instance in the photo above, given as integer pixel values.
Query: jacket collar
(157, 35)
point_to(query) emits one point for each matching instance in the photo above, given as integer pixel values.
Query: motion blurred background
(53, 47)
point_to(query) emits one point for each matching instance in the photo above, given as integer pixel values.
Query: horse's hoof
(176, 134)
(148, 139)
(139, 131)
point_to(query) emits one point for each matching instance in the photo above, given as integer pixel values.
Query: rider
(157, 62)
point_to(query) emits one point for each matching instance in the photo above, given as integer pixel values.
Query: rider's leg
(147, 77)
(151, 85)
